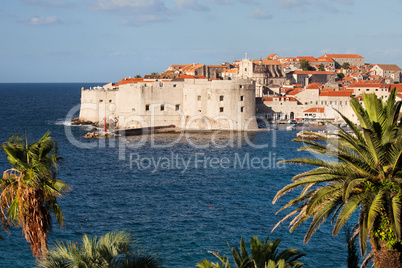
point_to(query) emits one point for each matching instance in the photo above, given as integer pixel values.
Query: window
(110, 101)
(241, 98)
(198, 97)
(147, 107)
(367, 89)
(221, 109)
(100, 100)
(174, 85)
(220, 98)
(241, 109)
(162, 107)
(376, 89)
(177, 107)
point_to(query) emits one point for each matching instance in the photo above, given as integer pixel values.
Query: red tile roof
(389, 67)
(342, 93)
(314, 110)
(341, 56)
(191, 67)
(129, 81)
(230, 71)
(397, 86)
(292, 91)
(217, 66)
(314, 86)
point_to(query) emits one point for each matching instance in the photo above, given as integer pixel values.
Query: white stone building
(187, 104)
(388, 71)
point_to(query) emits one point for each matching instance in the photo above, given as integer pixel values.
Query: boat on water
(291, 127)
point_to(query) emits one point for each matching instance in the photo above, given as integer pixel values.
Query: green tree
(263, 254)
(29, 190)
(154, 73)
(321, 67)
(341, 75)
(345, 65)
(114, 250)
(138, 76)
(365, 177)
(305, 65)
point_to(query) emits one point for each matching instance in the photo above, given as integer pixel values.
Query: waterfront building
(198, 104)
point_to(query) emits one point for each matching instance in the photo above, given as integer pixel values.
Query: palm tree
(263, 254)
(115, 249)
(29, 189)
(365, 178)
(353, 258)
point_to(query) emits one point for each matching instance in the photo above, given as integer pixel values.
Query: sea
(181, 195)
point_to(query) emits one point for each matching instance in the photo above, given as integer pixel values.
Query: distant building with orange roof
(196, 69)
(367, 86)
(339, 59)
(316, 113)
(388, 71)
(272, 56)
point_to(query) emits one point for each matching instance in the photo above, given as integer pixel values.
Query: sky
(107, 40)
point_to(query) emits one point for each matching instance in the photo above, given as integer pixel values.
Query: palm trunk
(385, 257)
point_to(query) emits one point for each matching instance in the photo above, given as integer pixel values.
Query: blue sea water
(181, 196)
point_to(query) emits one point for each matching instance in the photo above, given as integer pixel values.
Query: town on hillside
(306, 88)
(237, 95)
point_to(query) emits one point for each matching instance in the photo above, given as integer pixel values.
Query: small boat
(291, 127)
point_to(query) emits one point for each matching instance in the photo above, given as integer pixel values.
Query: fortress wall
(193, 104)
(219, 104)
(150, 104)
(96, 104)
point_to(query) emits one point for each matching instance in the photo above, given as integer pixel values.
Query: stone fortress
(187, 104)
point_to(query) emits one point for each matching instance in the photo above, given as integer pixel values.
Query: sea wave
(63, 122)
